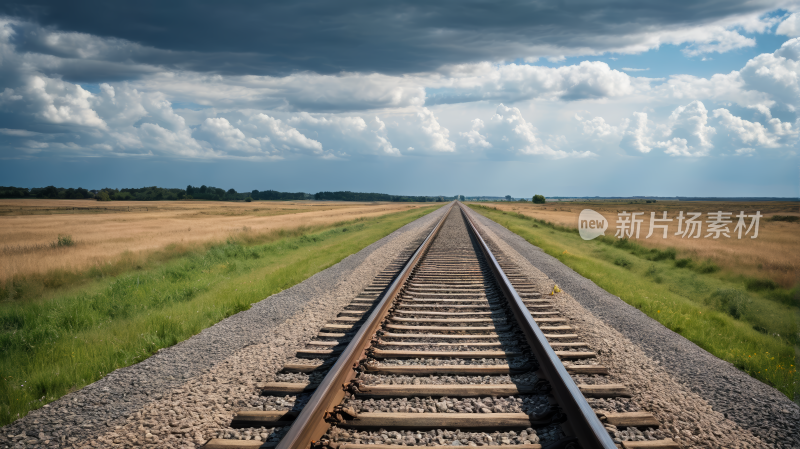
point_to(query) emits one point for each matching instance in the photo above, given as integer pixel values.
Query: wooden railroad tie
(278, 418)
(353, 312)
(284, 388)
(605, 391)
(422, 312)
(572, 355)
(313, 353)
(631, 419)
(410, 354)
(464, 370)
(448, 328)
(587, 369)
(274, 418)
(493, 344)
(590, 391)
(338, 327)
(472, 370)
(482, 300)
(398, 446)
(443, 320)
(389, 354)
(462, 320)
(555, 328)
(443, 336)
(404, 421)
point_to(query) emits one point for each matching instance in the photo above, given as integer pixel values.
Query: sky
(572, 98)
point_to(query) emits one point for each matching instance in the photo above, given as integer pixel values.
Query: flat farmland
(737, 299)
(130, 283)
(774, 254)
(128, 233)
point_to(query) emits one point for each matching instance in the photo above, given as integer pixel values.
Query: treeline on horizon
(203, 192)
(358, 196)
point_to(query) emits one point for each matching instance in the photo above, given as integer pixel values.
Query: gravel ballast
(449, 438)
(702, 400)
(188, 393)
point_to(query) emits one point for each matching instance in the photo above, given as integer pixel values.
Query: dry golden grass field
(105, 232)
(774, 254)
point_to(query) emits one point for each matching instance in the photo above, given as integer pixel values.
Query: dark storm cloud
(274, 38)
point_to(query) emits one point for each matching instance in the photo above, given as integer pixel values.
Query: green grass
(751, 323)
(51, 346)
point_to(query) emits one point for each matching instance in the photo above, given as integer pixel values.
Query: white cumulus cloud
(438, 136)
(56, 101)
(351, 133)
(282, 137)
(596, 127)
(507, 134)
(749, 133)
(221, 134)
(690, 124)
(637, 134)
(685, 132)
(776, 74)
(515, 82)
(474, 136)
(789, 27)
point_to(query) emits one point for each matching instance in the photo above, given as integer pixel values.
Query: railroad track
(450, 345)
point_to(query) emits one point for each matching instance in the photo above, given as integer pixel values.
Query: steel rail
(581, 418)
(310, 424)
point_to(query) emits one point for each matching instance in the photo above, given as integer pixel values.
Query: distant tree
(13, 192)
(231, 192)
(248, 199)
(102, 196)
(203, 188)
(48, 192)
(508, 197)
(539, 199)
(189, 190)
(75, 194)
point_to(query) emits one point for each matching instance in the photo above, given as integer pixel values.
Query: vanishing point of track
(439, 336)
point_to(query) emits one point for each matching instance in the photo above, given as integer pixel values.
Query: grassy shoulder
(42, 254)
(51, 346)
(53, 283)
(751, 329)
